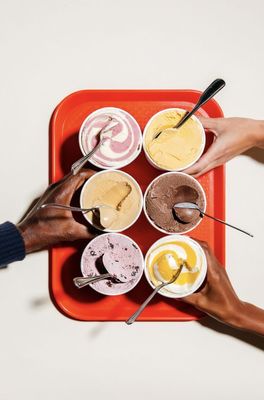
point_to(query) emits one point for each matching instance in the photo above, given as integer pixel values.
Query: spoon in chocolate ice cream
(114, 272)
(185, 212)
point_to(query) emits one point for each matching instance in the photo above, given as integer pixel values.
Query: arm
(45, 227)
(218, 299)
(233, 136)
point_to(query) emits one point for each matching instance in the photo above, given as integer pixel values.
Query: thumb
(191, 299)
(202, 166)
(206, 162)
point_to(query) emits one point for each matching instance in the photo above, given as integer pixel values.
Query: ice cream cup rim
(152, 162)
(134, 182)
(141, 256)
(202, 274)
(150, 220)
(121, 165)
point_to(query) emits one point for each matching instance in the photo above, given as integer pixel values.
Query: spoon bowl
(193, 206)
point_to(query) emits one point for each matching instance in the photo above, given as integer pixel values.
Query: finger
(205, 246)
(205, 170)
(64, 192)
(210, 123)
(206, 162)
(201, 166)
(202, 243)
(192, 299)
(75, 181)
(212, 261)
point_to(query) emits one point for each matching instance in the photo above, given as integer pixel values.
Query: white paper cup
(129, 178)
(153, 223)
(119, 113)
(114, 289)
(169, 291)
(152, 162)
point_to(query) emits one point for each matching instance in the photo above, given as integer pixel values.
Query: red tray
(64, 264)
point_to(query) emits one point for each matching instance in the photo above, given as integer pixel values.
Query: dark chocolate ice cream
(165, 192)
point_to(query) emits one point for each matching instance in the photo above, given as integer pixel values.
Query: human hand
(233, 136)
(49, 226)
(217, 298)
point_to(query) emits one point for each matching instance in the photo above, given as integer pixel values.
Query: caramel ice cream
(119, 197)
(173, 149)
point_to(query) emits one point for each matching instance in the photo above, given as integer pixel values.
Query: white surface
(52, 48)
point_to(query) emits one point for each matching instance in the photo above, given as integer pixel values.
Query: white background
(52, 48)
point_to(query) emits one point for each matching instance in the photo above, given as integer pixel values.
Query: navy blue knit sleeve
(12, 247)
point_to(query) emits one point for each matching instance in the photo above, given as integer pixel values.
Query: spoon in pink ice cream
(77, 166)
(116, 271)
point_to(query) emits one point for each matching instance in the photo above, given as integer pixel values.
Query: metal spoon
(106, 219)
(195, 207)
(114, 271)
(155, 291)
(77, 166)
(82, 281)
(211, 91)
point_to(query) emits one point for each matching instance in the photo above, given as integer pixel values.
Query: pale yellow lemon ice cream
(119, 193)
(164, 259)
(173, 149)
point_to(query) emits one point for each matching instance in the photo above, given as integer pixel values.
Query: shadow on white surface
(247, 337)
(40, 302)
(97, 330)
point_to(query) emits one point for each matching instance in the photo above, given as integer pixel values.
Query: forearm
(258, 134)
(249, 318)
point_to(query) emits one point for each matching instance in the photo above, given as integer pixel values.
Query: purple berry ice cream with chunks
(116, 254)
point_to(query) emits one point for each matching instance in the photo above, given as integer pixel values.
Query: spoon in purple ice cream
(115, 271)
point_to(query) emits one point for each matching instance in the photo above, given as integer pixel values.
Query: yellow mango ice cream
(165, 258)
(173, 149)
(117, 195)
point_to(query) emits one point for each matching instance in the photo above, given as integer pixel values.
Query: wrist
(249, 318)
(258, 133)
(34, 236)
(27, 237)
(237, 316)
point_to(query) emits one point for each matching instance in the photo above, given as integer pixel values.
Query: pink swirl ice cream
(123, 137)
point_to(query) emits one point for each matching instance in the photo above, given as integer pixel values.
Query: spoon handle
(70, 208)
(210, 92)
(225, 223)
(143, 305)
(77, 166)
(82, 281)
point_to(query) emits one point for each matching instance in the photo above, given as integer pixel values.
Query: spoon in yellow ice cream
(210, 92)
(172, 279)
